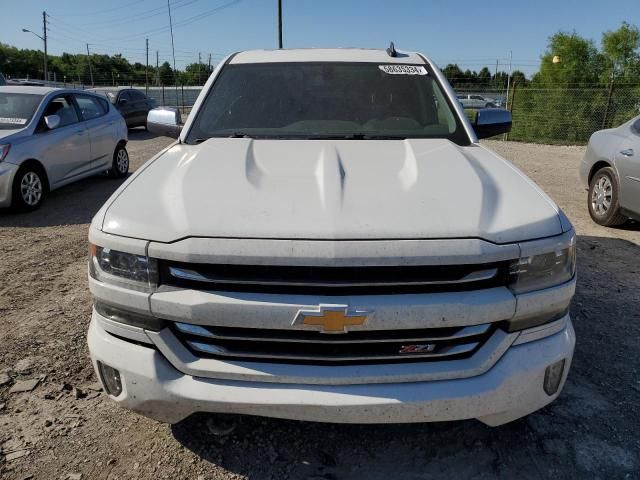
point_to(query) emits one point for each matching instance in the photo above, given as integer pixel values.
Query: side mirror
(123, 101)
(165, 121)
(491, 121)
(52, 121)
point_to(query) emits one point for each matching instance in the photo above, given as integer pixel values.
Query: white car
(470, 100)
(328, 241)
(50, 137)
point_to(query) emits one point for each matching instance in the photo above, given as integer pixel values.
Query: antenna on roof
(391, 51)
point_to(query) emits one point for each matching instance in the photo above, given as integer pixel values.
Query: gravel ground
(64, 428)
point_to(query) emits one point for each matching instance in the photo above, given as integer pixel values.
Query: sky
(471, 34)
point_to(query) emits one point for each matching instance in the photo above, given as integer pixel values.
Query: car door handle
(627, 153)
(80, 132)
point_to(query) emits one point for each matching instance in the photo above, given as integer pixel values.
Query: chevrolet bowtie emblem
(331, 319)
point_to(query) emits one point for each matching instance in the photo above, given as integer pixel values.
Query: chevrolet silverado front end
(328, 241)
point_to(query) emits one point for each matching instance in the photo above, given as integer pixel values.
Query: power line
(127, 5)
(138, 17)
(184, 22)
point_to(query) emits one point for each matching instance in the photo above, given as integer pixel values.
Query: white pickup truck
(327, 241)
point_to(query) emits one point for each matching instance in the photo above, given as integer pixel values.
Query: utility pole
(173, 51)
(90, 69)
(279, 23)
(505, 136)
(199, 63)
(44, 28)
(157, 68)
(209, 68)
(146, 70)
(495, 77)
(509, 78)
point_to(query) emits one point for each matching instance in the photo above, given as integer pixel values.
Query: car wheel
(604, 206)
(489, 105)
(29, 188)
(120, 165)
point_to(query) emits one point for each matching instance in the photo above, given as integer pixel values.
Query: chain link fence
(565, 116)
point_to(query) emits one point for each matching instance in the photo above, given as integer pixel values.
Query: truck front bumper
(510, 389)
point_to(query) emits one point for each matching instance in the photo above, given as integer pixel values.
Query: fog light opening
(111, 379)
(553, 376)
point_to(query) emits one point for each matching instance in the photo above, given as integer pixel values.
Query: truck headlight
(544, 270)
(128, 270)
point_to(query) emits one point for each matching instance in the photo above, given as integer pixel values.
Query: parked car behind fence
(133, 104)
(475, 100)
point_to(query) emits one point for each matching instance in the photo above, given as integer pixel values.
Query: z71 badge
(422, 348)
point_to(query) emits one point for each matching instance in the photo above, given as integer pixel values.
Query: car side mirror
(123, 101)
(52, 121)
(165, 121)
(489, 122)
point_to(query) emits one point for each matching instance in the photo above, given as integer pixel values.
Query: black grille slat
(299, 346)
(364, 280)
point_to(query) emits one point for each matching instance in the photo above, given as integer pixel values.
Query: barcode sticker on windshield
(13, 121)
(403, 69)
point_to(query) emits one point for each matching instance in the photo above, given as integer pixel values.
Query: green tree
(518, 77)
(483, 77)
(578, 61)
(620, 51)
(453, 73)
(166, 74)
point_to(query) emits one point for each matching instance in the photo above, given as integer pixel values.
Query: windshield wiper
(357, 136)
(232, 135)
(238, 135)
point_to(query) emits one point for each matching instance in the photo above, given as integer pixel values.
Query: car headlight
(544, 270)
(128, 270)
(4, 151)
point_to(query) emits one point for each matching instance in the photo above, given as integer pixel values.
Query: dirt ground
(65, 429)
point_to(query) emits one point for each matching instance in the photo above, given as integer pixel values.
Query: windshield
(16, 109)
(327, 100)
(110, 94)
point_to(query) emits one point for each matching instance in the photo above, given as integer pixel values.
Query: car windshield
(16, 109)
(327, 100)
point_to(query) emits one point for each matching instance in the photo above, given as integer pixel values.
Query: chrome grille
(365, 280)
(301, 346)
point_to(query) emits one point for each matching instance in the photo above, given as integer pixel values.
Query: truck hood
(5, 134)
(325, 189)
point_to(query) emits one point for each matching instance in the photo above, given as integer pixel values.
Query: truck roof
(325, 55)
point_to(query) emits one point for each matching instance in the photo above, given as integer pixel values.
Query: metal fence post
(163, 102)
(510, 106)
(608, 104)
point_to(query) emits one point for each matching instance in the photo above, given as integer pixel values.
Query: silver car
(473, 100)
(50, 137)
(611, 171)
